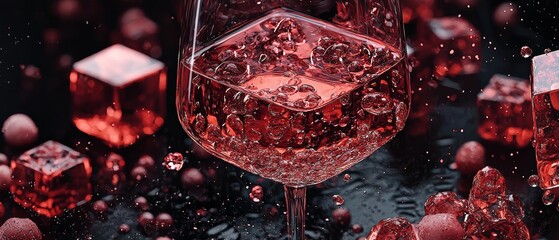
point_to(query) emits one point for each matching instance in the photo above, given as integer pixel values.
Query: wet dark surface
(395, 181)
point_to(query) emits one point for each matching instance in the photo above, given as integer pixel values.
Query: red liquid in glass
(294, 99)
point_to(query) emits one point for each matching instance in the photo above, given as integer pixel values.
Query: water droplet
(526, 52)
(256, 194)
(288, 89)
(547, 51)
(548, 198)
(313, 100)
(533, 181)
(173, 161)
(347, 177)
(338, 200)
(306, 88)
(376, 103)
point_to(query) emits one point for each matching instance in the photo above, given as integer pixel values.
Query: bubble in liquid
(347, 177)
(256, 194)
(377, 103)
(533, 181)
(173, 161)
(526, 52)
(548, 198)
(338, 200)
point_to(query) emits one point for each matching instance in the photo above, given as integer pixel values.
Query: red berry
(141, 203)
(146, 161)
(145, 219)
(341, 217)
(115, 162)
(124, 228)
(4, 160)
(164, 221)
(19, 130)
(192, 178)
(441, 226)
(2, 210)
(357, 228)
(163, 238)
(100, 207)
(20, 229)
(506, 14)
(5, 177)
(470, 158)
(139, 173)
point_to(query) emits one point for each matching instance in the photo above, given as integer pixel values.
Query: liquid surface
(293, 99)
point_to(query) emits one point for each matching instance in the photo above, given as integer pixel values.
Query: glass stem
(295, 201)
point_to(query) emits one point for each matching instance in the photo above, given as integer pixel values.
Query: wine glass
(296, 91)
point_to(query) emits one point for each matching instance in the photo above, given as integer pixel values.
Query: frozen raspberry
(20, 229)
(470, 158)
(441, 226)
(19, 130)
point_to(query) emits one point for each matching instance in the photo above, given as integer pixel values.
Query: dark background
(394, 182)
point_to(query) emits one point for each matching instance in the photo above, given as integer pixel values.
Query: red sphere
(145, 219)
(441, 226)
(5, 177)
(341, 217)
(20, 229)
(4, 160)
(146, 161)
(2, 210)
(466, 3)
(124, 228)
(139, 173)
(506, 14)
(163, 238)
(141, 203)
(192, 178)
(470, 158)
(164, 221)
(19, 130)
(100, 207)
(357, 228)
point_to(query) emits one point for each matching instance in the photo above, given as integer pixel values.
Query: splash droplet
(256, 194)
(173, 161)
(547, 51)
(526, 52)
(533, 181)
(338, 200)
(347, 177)
(548, 198)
